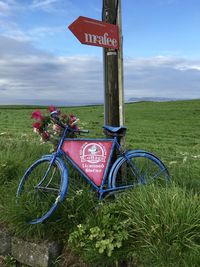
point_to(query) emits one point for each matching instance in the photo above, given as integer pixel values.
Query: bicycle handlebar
(56, 119)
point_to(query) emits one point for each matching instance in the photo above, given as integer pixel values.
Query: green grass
(160, 226)
(148, 226)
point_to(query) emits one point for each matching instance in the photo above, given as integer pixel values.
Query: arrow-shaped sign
(94, 32)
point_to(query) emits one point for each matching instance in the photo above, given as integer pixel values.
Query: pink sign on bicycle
(91, 156)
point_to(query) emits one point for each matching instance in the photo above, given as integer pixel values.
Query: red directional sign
(94, 32)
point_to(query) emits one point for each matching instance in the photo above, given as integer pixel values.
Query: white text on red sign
(101, 40)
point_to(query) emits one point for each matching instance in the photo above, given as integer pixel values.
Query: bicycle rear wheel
(139, 168)
(42, 188)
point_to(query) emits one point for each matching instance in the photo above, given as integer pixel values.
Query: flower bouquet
(49, 130)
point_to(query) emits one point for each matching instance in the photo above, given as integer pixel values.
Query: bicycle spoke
(40, 190)
(140, 169)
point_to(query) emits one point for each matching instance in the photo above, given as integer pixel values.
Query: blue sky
(41, 62)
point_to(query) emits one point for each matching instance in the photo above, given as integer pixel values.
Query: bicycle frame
(113, 144)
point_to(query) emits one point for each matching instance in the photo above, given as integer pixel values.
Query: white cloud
(12, 30)
(45, 5)
(53, 6)
(41, 32)
(166, 77)
(34, 76)
(10, 7)
(28, 76)
(12, 27)
(4, 9)
(175, 63)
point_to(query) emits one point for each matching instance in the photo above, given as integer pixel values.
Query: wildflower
(64, 116)
(52, 108)
(56, 128)
(184, 159)
(35, 130)
(48, 129)
(79, 192)
(3, 133)
(36, 115)
(36, 125)
(72, 119)
(45, 135)
(73, 122)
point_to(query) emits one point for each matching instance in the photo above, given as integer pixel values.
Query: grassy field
(168, 129)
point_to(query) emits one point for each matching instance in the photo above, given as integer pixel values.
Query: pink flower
(57, 128)
(45, 135)
(64, 116)
(35, 130)
(36, 125)
(52, 108)
(72, 118)
(43, 124)
(36, 115)
(73, 121)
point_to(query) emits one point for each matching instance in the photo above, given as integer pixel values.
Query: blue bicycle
(45, 183)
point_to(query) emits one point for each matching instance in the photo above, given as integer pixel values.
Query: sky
(42, 62)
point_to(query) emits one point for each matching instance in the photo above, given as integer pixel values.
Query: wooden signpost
(107, 34)
(113, 68)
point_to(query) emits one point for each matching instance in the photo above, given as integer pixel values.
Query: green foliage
(148, 226)
(9, 261)
(100, 239)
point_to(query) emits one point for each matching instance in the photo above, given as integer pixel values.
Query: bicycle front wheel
(139, 168)
(41, 189)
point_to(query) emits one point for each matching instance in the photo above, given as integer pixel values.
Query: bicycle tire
(138, 168)
(41, 196)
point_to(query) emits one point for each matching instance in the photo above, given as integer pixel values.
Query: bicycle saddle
(116, 130)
